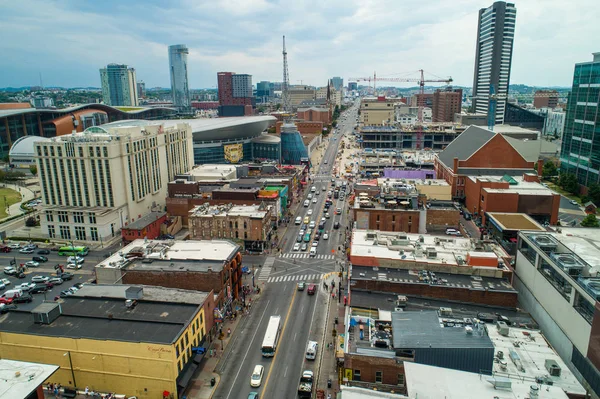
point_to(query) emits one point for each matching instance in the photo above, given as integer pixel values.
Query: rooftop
(145, 220)
(413, 330)
(148, 293)
(21, 379)
(517, 185)
(533, 356)
(514, 221)
(212, 170)
(199, 255)
(251, 211)
(425, 248)
(104, 318)
(455, 384)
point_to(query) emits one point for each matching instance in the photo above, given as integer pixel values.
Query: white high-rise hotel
(96, 182)
(493, 56)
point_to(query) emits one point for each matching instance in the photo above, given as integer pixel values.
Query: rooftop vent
(544, 242)
(46, 312)
(569, 263)
(552, 367)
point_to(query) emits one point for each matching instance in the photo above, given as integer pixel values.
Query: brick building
(148, 226)
(235, 94)
(315, 127)
(315, 114)
(478, 151)
(446, 103)
(545, 99)
(251, 225)
(214, 265)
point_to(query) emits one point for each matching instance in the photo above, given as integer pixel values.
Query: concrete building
(119, 87)
(97, 335)
(556, 274)
(493, 56)
(435, 137)
(298, 94)
(446, 103)
(580, 153)
(235, 94)
(97, 182)
(24, 379)
(315, 114)
(337, 83)
(505, 227)
(554, 121)
(396, 164)
(213, 266)
(178, 70)
(377, 111)
(478, 151)
(141, 89)
(545, 99)
(467, 119)
(250, 225)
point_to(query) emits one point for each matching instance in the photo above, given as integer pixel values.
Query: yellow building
(141, 347)
(377, 111)
(301, 93)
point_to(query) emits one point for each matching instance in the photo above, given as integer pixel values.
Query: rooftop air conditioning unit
(545, 243)
(552, 367)
(569, 263)
(503, 328)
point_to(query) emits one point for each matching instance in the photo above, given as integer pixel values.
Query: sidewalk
(200, 387)
(26, 196)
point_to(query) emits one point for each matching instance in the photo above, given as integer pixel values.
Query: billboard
(234, 153)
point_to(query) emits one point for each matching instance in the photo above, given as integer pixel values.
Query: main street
(302, 315)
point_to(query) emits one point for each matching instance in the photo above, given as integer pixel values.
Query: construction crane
(420, 99)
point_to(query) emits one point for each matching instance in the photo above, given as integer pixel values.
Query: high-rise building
(96, 182)
(119, 85)
(580, 152)
(141, 89)
(179, 77)
(263, 91)
(352, 86)
(446, 103)
(493, 56)
(545, 99)
(235, 94)
(337, 82)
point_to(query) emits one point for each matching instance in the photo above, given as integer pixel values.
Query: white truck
(305, 387)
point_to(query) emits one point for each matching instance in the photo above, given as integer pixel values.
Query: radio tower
(285, 85)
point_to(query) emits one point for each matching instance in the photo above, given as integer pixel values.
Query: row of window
(183, 348)
(379, 377)
(64, 232)
(63, 217)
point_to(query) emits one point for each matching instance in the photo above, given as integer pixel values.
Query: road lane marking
(287, 319)
(247, 350)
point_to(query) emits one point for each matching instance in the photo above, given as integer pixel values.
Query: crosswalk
(297, 277)
(305, 256)
(265, 270)
(321, 177)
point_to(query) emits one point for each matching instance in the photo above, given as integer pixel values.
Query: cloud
(68, 41)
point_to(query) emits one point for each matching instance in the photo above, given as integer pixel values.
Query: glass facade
(179, 76)
(252, 151)
(580, 152)
(292, 146)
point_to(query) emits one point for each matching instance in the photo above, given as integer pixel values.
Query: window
(482, 198)
(49, 216)
(78, 217)
(80, 233)
(92, 217)
(94, 233)
(63, 217)
(51, 231)
(379, 377)
(356, 375)
(65, 232)
(400, 379)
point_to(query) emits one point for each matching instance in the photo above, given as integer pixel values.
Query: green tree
(33, 169)
(590, 221)
(568, 182)
(549, 169)
(594, 193)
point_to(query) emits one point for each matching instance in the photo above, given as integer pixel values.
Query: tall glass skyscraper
(580, 153)
(493, 56)
(119, 85)
(179, 77)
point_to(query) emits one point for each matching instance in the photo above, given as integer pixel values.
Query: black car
(38, 289)
(43, 252)
(336, 225)
(5, 308)
(23, 299)
(42, 259)
(21, 275)
(66, 276)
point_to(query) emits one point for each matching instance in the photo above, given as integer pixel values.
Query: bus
(73, 251)
(271, 336)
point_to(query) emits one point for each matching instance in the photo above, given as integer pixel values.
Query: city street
(301, 319)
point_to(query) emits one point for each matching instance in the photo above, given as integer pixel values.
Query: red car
(6, 301)
(4, 248)
(311, 289)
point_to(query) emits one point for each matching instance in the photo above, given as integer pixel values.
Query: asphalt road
(302, 319)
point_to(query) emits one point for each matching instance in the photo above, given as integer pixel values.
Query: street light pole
(72, 371)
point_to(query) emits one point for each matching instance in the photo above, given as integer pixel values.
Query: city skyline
(354, 39)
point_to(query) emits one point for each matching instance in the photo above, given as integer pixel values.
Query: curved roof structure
(267, 139)
(211, 129)
(138, 111)
(24, 146)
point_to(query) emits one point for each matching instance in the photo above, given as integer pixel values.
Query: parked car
(65, 293)
(40, 279)
(66, 276)
(32, 263)
(4, 248)
(41, 259)
(296, 247)
(38, 289)
(5, 281)
(6, 300)
(10, 271)
(25, 286)
(14, 246)
(7, 307)
(25, 298)
(304, 247)
(43, 252)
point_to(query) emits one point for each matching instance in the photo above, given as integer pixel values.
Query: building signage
(234, 153)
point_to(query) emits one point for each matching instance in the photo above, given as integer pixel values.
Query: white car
(309, 196)
(314, 200)
(310, 212)
(5, 281)
(75, 259)
(32, 263)
(73, 266)
(327, 215)
(40, 279)
(296, 247)
(325, 236)
(14, 246)
(315, 244)
(25, 286)
(9, 270)
(256, 377)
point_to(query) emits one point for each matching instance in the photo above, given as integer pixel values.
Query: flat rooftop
(443, 279)
(514, 221)
(108, 319)
(212, 170)
(21, 379)
(407, 247)
(413, 330)
(251, 211)
(149, 293)
(455, 384)
(145, 220)
(533, 352)
(168, 254)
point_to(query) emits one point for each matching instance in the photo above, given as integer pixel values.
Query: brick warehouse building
(446, 103)
(315, 114)
(478, 151)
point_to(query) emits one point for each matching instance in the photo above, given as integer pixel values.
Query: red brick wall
(303, 127)
(151, 231)
(484, 297)
(439, 219)
(474, 191)
(497, 153)
(311, 115)
(209, 307)
(498, 202)
(398, 220)
(368, 365)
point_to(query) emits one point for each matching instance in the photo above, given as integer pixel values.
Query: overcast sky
(68, 41)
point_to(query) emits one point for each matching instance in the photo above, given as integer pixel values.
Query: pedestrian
(86, 391)
(56, 391)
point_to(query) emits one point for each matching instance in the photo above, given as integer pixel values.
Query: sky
(68, 41)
